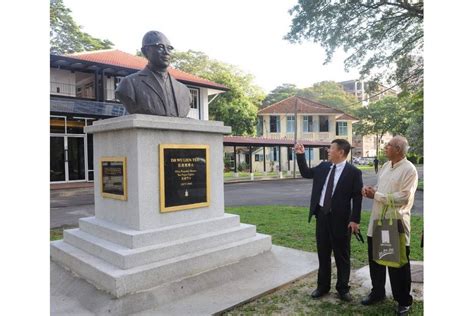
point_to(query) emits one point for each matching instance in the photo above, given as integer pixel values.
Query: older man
(152, 90)
(399, 178)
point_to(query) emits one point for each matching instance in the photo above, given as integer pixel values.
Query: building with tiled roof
(314, 123)
(82, 90)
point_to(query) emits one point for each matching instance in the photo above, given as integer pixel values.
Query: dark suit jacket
(141, 93)
(348, 188)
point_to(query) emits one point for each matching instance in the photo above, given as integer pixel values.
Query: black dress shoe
(402, 310)
(318, 293)
(372, 299)
(346, 297)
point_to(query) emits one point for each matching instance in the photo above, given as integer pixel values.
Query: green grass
(57, 233)
(420, 184)
(365, 167)
(289, 227)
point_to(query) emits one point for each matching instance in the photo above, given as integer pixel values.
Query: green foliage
(281, 92)
(414, 130)
(65, 35)
(377, 34)
(289, 227)
(243, 166)
(329, 93)
(389, 114)
(237, 107)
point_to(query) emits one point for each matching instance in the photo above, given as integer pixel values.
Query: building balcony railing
(86, 107)
(83, 92)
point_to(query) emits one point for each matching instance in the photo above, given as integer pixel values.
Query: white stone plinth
(129, 245)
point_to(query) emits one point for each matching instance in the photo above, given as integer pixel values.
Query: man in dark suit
(152, 90)
(335, 184)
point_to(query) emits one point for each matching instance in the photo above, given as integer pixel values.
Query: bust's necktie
(328, 194)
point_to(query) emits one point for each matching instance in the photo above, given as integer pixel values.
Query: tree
(65, 36)
(330, 93)
(386, 115)
(237, 107)
(378, 34)
(281, 92)
(414, 130)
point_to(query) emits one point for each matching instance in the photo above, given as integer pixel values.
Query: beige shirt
(401, 180)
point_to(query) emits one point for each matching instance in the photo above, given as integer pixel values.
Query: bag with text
(389, 244)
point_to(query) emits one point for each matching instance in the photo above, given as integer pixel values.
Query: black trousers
(400, 279)
(327, 243)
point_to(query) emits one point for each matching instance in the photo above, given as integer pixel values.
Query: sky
(245, 33)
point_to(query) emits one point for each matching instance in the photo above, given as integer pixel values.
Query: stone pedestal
(130, 245)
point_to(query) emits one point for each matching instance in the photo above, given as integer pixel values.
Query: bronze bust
(152, 90)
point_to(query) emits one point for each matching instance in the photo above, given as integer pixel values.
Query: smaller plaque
(113, 177)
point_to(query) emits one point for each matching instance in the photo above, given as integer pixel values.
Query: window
(274, 124)
(290, 124)
(194, 98)
(275, 154)
(323, 123)
(341, 128)
(307, 152)
(258, 157)
(307, 124)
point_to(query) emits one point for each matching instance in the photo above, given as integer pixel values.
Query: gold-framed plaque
(113, 177)
(184, 177)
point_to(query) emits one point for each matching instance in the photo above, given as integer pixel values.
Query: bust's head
(157, 49)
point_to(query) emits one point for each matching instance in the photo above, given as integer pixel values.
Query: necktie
(328, 194)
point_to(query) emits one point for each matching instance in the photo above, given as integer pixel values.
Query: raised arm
(300, 158)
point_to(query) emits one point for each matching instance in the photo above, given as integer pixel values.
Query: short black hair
(342, 144)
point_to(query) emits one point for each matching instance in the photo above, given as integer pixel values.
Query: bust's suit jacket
(141, 93)
(348, 189)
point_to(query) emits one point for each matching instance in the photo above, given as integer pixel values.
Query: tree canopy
(389, 114)
(237, 107)
(326, 92)
(378, 35)
(66, 36)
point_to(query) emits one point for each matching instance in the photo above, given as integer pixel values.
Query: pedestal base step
(119, 282)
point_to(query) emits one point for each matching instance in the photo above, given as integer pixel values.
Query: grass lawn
(420, 184)
(289, 227)
(365, 167)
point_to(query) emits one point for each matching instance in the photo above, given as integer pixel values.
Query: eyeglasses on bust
(162, 47)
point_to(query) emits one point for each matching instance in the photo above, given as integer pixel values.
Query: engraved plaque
(113, 177)
(184, 177)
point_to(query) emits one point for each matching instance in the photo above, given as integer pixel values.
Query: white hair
(402, 143)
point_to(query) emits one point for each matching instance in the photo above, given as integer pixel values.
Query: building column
(310, 150)
(264, 162)
(236, 174)
(279, 162)
(250, 164)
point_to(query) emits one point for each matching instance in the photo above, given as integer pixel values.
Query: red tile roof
(115, 57)
(248, 140)
(346, 117)
(303, 105)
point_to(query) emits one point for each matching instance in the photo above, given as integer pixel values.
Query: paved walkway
(69, 202)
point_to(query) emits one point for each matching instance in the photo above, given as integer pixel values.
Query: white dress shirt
(339, 167)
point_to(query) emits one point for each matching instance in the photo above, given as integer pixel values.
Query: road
(68, 205)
